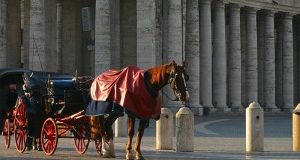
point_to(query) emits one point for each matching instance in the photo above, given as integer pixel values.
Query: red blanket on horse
(127, 88)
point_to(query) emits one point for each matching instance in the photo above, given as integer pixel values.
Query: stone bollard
(184, 130)
(121, 127)
(254, 128)
(296, 129)
(164, 130)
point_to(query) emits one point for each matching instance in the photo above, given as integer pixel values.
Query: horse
(154, 80)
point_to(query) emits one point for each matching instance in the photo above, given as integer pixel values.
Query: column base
(197, 109)
(208, 109)
(272, 109)
(289, 110)
(237, 109)
(223, 109)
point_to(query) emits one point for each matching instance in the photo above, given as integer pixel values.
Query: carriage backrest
(75, 101)
(60, 86)
(10, 81)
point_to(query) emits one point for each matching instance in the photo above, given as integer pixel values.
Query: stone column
(3, 33)
(287, 63)
(147, 20)
(260, 54)
(128, 32)
(234, 59)
(59, 27)
(26, 33)
(251, 56)
(205, 54)
(50, 35)
(192, 54)
(243, 56)
(72, 37)
(102, 36)
(14, 34)
(174, 43)
(219, 58)
(278, 61)
(37, 41)
(115, 24)
(269, 62)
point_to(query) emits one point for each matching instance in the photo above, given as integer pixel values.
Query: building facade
(237, 51)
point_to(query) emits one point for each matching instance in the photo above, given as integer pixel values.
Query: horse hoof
(108, 149)
(108, 155)
(139, 157)
(129, 156)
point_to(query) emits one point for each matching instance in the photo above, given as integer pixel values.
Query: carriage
(65, 101)
(12, 112)
(61, 100)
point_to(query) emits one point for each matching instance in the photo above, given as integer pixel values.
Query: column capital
(269, 13)
(251, 10)
(219, 3)
(234, 6)
(288, 15)
(205, 1)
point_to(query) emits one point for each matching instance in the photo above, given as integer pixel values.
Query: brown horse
(155, 79)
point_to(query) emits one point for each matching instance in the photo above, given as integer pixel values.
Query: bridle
(173, 81)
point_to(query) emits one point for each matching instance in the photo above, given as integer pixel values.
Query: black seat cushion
(75, 101)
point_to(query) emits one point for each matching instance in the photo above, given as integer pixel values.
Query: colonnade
(236, 52)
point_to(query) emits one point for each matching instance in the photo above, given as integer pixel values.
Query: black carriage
(60, 100)
(65, 100)
(13, 118)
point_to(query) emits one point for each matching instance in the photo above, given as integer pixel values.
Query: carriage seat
(75, 101)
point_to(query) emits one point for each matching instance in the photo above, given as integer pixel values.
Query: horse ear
(173, 62)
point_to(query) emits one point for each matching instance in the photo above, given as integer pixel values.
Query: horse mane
(157, 76)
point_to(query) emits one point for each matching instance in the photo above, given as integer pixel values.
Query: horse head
(177, 81)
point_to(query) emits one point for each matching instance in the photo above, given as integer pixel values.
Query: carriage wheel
(80, 141)
(98, 145)
(49, 136)
(6, 133)
(20, 132)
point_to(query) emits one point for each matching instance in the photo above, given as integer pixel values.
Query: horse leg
(108, 144)
(138, 154)
(130, 125)
(96, 127)
(96, 131)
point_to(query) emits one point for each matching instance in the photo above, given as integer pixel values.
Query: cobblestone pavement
(216, 137)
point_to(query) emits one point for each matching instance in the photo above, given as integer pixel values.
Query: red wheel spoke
(82, 144)
(44, 130)
(49, 136)
(21, 142)
(46, 141)
(6, 133)
(50, 146)
(18, 141)
(46, 146)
